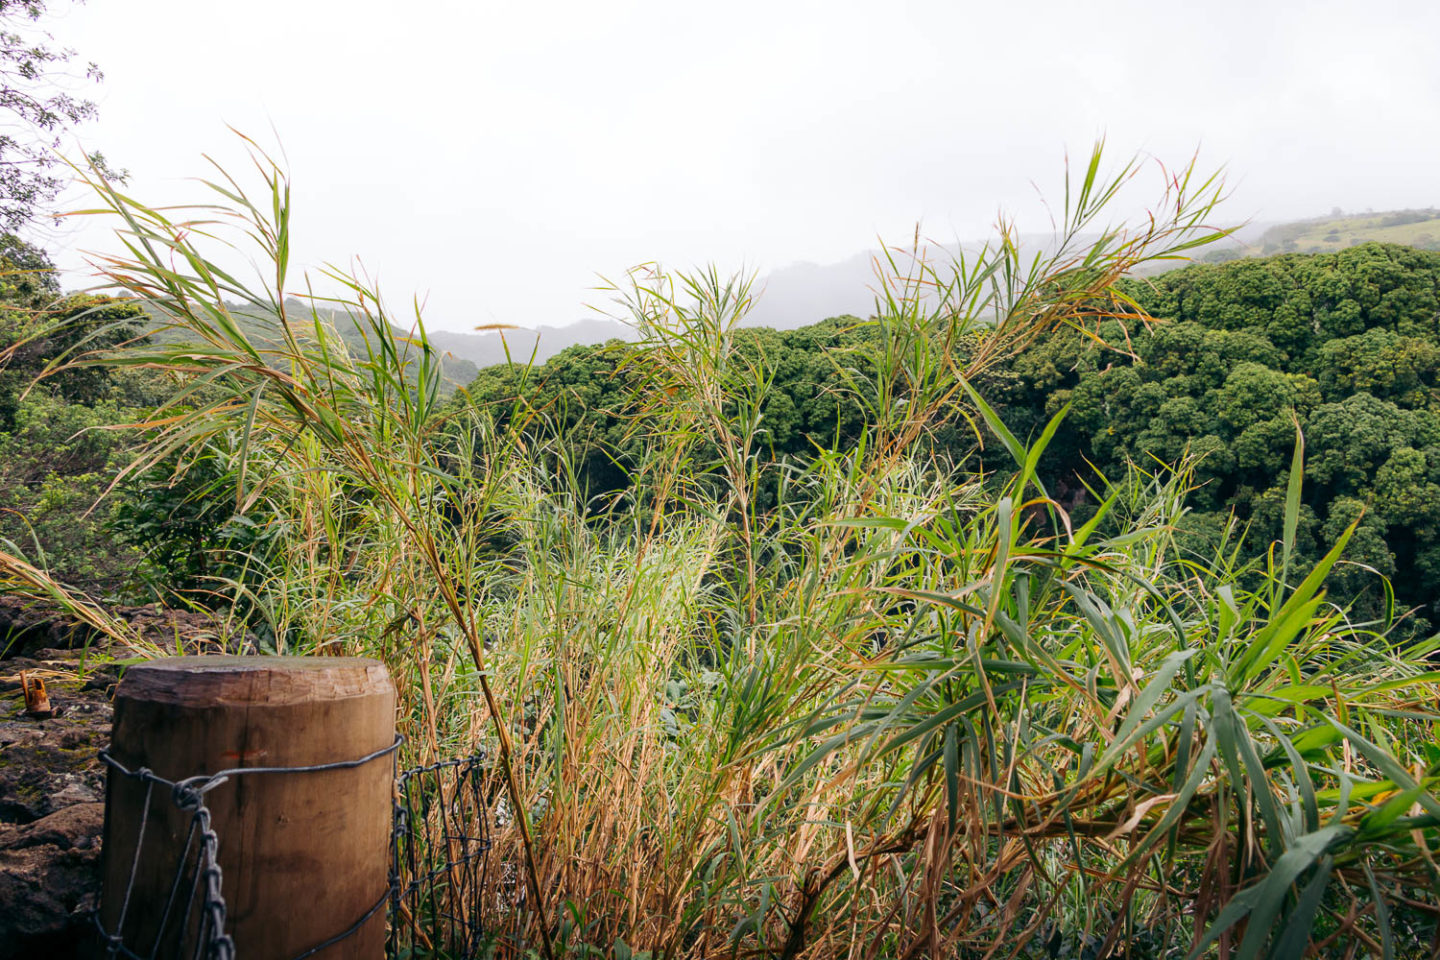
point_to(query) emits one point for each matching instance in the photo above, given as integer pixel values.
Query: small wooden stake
(37, 701)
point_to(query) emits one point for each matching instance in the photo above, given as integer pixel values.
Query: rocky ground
(51, 781)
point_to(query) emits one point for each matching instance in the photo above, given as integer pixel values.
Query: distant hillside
(801, 294)
(457, 368)
(786, 298)
(1411, 228)
(789, 297)
(804, 293)
(491, 347)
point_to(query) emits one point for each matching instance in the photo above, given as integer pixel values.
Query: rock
(49, 872)
(51, 814)
(46, 765)
(75, 827)
(38, 631)
(73, 792)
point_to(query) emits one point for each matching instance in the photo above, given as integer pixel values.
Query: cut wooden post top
(206, 680)
(303, 850)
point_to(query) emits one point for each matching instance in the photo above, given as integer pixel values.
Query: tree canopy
(1345, 346)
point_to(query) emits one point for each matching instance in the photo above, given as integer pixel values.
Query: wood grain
(303, 855)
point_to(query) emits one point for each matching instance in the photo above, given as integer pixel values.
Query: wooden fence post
(303, 855)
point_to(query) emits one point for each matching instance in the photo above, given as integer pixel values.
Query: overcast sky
(496, 157)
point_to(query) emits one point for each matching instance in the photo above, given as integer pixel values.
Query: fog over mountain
(520, 344)
(508, 153)
(792, 296)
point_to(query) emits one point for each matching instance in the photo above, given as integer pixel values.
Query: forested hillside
(1345, 346)
(56, 455)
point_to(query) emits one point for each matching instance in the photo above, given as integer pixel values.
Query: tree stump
(303, 855)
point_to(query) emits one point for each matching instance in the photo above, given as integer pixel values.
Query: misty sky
(497, 157)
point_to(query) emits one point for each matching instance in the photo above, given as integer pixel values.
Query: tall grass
(910, 710)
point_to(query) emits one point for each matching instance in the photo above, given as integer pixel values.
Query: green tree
(1345, 344)
(38, 109)
(56, 457)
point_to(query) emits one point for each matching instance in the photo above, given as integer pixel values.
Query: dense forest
(1230, 361)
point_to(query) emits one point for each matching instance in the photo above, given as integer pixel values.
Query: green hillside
(1344, 345)
(1411, 228)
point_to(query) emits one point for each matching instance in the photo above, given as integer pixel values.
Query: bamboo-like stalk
(887, 715)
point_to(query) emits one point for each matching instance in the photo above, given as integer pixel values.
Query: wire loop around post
(439, 842)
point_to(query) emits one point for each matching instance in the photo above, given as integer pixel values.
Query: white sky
(496, 157)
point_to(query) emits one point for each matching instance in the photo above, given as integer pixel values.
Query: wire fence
(440, 837)
(438, 860)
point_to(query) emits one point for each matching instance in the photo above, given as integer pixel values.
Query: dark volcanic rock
(47, 765)
(52, 782)
(49, 882)
(51, 788)
(29, 628)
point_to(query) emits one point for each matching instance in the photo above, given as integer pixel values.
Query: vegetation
(56, 457)
(891, 697)
(36, 101)
(1414, 228)
(1345, 345)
